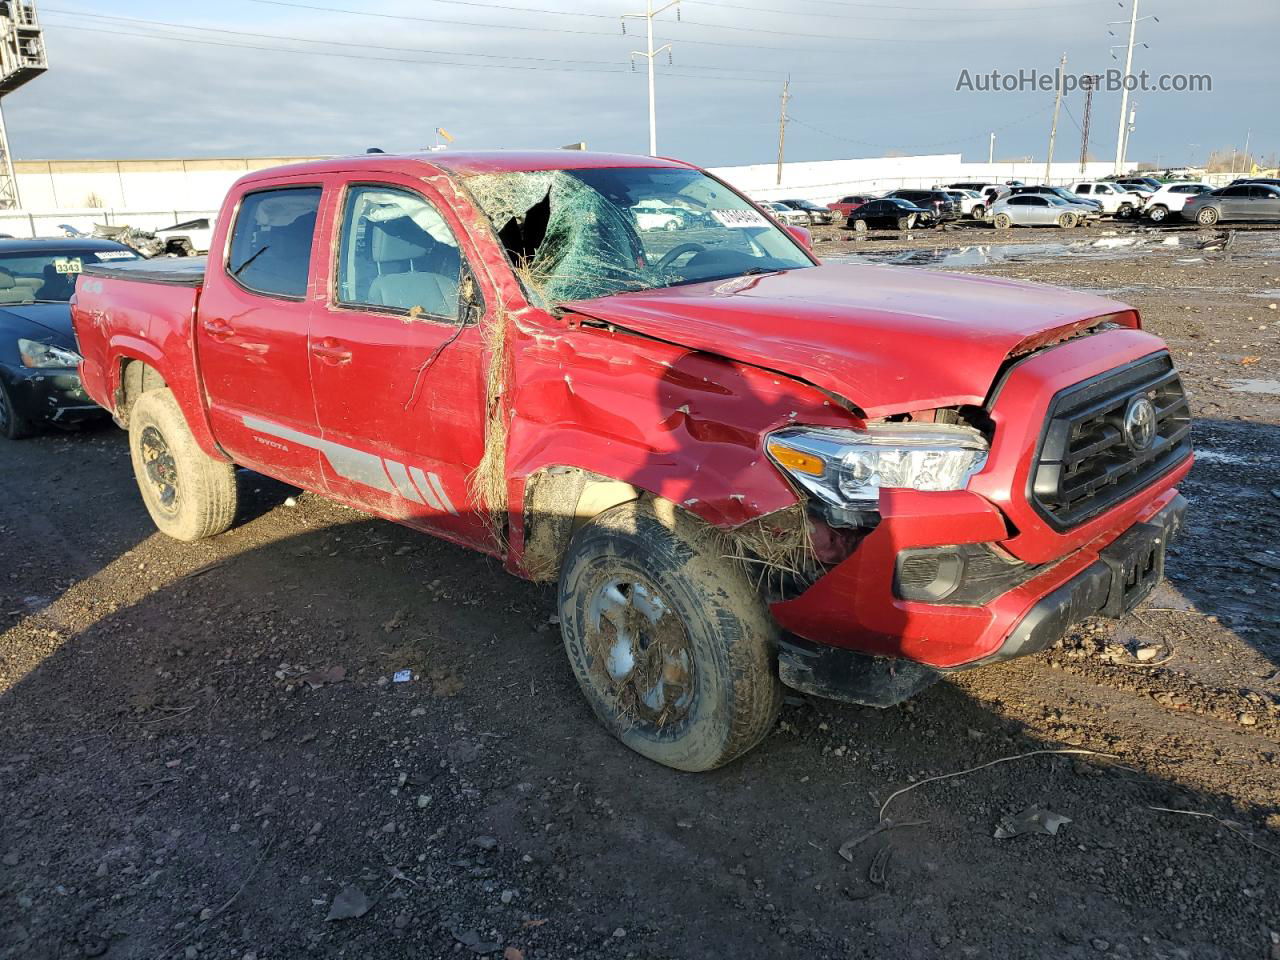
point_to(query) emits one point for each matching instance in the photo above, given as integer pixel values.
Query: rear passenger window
(271, 241)
(397, 253)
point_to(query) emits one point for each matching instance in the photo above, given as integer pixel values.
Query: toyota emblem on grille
(1140, 423)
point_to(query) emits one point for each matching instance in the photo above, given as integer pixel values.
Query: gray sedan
(1241, 201)
(1034, 210)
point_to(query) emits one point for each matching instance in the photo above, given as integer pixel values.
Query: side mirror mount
(801, 236)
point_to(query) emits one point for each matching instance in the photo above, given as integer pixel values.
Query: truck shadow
(191, 770)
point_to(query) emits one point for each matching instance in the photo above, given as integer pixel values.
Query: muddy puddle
(1196, 246)
(1271, 387)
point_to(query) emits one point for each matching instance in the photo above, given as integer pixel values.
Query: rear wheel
(189, 494)
(670, 642)
(13, 426)
(1002, 221)
(1158, 213)
(1207, 217)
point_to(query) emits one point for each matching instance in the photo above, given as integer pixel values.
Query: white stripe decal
(424, 488)
(444, 497)
(364, 468)
(400, 477)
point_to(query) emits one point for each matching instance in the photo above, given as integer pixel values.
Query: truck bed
(182, 271)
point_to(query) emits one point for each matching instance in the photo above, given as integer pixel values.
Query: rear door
(397, 358)
(1265, 201)
(251, 332)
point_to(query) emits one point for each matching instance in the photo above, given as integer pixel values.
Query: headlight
(36, 354)
(847, 468)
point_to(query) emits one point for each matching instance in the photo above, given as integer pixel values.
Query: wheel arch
(137, 368)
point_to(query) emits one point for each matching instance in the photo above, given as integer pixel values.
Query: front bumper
(1107, 581)
(51, 395)
(857, 605)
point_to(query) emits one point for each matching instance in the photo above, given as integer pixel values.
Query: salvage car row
(1016, 204)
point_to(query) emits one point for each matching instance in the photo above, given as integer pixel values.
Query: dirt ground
(202, 753)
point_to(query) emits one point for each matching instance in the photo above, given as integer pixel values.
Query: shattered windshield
(578, 234)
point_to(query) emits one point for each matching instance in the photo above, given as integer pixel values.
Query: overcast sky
(867, 78)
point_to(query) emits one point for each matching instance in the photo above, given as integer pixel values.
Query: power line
(961, 15)
(913, 41)
(358, 56)
(347, 43)
(513, 26)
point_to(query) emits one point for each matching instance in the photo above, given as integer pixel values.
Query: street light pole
(649, 53)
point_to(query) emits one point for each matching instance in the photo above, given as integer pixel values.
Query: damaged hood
(888, 339)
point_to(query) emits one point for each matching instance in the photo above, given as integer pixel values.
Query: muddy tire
(1207, 217)
(907, 222)
(1158, 214)
(859, 226)
(13, 426)
(978, 212)
(1067, 220)
(1002, 221)
(669, 641)
(189, 494)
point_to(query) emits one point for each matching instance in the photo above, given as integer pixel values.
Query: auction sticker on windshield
(740, 218)
(117, 255)
(68, 265)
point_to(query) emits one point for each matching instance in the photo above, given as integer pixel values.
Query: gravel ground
(202, 754)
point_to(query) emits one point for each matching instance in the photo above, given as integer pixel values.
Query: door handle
(218, 329)
(331, 351)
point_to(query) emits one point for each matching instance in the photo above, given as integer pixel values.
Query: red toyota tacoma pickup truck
(744, 468)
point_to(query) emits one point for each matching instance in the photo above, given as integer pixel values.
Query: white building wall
(157, 193)
(827, 180)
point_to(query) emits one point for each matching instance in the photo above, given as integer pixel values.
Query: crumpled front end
(1068, 518)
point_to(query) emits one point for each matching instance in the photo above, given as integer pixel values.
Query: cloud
(108, 95)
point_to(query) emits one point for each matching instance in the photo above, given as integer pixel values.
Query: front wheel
(1002, 221)
(859, 226)
(1207, 217)
(1067, 220)
(1158, 214)
(668, 639)
(13, 425)
(907, 222)
(1125, 212)
(189, 494)
(978, 212)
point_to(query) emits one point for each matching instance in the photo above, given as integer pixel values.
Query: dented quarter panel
(120, 320)
(685, 425)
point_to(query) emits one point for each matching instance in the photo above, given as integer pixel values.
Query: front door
(398, 362)
(251, 334)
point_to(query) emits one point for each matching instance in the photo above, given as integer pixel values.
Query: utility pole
(649, 53)
(782, 124)
(1084, 128)
(1053, 130)
(1128, 127)
(991, 149)
(1122, 139)
(1247, 135)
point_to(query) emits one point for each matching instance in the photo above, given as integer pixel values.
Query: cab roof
(464, 163)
